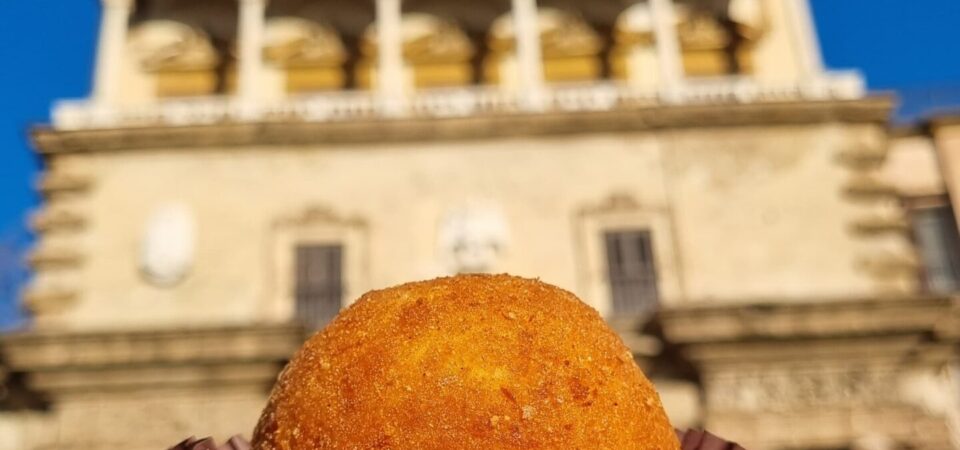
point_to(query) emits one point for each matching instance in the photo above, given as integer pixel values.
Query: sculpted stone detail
(170, 45)
(472, 237)
(786, 388)
(168, 245)
(615, 202)
(292, 41)
(315, 215)
(319, 215)
(426, 39)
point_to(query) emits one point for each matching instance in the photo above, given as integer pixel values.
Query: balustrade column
(250, 59)
(114, 21)
(390, 72)
(669, 54)
(805, 40)
(529, 55)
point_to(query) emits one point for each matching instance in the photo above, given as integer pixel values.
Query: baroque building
(245, 168)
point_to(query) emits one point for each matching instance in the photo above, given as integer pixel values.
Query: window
(935, 231)
(319, 283)
(631, 272)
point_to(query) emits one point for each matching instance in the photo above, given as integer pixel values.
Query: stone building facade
(245, 168)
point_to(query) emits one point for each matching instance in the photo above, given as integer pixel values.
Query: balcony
(447, 103)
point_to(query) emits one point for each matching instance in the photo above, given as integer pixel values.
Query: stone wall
(737, 213)
(828, 375)
(142, 390)
(769, 222)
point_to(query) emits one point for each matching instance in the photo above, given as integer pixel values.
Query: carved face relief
(168, 245)
(472, 238)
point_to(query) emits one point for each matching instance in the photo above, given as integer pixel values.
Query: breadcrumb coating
(466, 362)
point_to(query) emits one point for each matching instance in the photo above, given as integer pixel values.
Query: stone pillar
(529, 57)
(669, 54)
(250, 37)
(113, 38)
(804, 37)
(390, 57)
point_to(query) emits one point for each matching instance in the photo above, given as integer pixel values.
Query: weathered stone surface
(143, 389)
(824, 375)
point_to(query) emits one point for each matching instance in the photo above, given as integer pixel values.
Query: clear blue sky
(47, 50)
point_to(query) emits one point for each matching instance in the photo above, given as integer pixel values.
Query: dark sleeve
(192, 443)
(702, 440)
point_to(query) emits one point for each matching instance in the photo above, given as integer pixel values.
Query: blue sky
(47, 50)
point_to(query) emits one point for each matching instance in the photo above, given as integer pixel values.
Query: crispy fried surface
(468, 362)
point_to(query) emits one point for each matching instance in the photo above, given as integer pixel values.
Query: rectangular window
(319, 283)
(631, 271)
(935, 232)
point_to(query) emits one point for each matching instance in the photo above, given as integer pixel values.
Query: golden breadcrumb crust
(467, 362)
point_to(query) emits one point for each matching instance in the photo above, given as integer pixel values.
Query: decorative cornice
(315, 215)
(868, 187)
(874, 226)
(862, 157)
(55, 182)
(791, 320)
(925, 201)
(869, 110)
(617, 202)
(944, 120)
(51, 257)
(61, 362)
(47, 220)
(787, 365)
(45, 301)
(44, 349)
(886, 266)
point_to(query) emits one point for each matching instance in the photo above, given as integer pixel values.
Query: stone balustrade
(443, 103)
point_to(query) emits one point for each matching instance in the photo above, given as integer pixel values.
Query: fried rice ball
(466, 362)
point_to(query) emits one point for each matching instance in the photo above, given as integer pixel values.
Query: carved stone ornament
(167, 45)
(426, 39)
(561, 34)
(167, 250)
(300, 42)
(616, 202)
(794, 388)
(472, 238)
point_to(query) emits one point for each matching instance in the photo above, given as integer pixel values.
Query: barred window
(631, 271)
(935, 232)
(319, 283)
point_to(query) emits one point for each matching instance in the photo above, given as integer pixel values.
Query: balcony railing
(445, 103)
